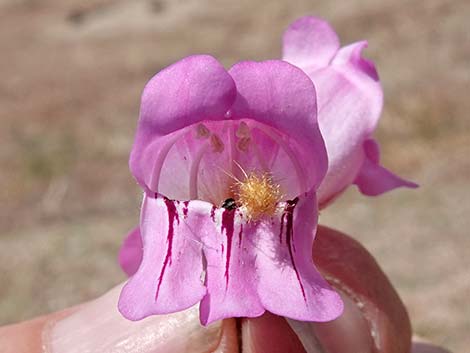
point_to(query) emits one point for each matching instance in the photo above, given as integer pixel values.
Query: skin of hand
(374, 320)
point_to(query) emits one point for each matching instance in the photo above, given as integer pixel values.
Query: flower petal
(349, 58)
(309, 43)
(195, 88)
(249, 267)
(280, 95)
(169, 277)
(350, 101)
(289, 283)
(374, 179)
(130, 254)
(231, 277)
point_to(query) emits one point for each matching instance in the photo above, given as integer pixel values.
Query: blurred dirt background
(71, 76)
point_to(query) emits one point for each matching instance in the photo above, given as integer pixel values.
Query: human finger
(98, 327)
(374, 320)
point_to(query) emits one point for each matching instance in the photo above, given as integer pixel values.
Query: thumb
(97, 327)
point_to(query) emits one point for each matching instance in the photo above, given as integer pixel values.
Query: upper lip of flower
(194, 112)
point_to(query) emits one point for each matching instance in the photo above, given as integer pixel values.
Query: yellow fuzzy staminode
(258, 194)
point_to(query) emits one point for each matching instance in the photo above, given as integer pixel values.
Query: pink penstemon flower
(208, 140)
(234, 168)
(350, 100)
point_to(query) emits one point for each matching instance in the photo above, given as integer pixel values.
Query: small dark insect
(229, 204)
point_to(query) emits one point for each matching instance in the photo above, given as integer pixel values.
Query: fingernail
(99, 327)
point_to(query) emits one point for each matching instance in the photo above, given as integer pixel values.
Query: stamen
(217, 144)
(202, 131)
(290, 154)
(260, 157)
(243, 144)
(194, 172)
(246, 141)
(241, 169)
(157, 168)
(230, 175)
(231, 150)
(243, 130)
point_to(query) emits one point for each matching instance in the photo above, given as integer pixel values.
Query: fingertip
(28, 336)
(269, 333)
(99, 327)
(228, 338)
(22, 338)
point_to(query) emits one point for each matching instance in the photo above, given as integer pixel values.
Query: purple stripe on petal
(282, 268)
(228, 217)
(169, 276)
(281, 231)
(172, 216)
(231, 279)
(185, 209)
(213, 213)
(289, 213)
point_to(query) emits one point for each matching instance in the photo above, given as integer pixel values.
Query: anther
(243, 130)
(243, 144)
(202, 131)
(217, 144)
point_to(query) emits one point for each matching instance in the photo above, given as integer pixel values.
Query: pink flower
(233, 166)
(349, 98)
(230, 162)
